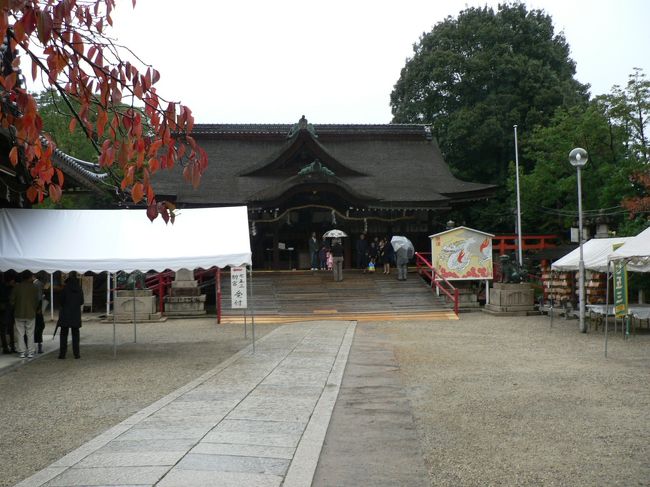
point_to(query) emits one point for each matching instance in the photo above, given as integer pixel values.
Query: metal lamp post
(578, 158)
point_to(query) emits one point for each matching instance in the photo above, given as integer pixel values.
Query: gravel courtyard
(511, 401)
(496, 401)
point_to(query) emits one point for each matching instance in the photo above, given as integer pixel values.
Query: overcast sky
(337, 61)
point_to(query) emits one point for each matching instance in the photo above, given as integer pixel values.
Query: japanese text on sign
(238, 287)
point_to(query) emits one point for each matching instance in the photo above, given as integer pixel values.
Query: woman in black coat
(72, 299)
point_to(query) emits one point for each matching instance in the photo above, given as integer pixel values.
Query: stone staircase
(305, 295)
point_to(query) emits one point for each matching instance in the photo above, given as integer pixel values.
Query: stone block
(511, 299)
(145, 305)
(184, 275)
(185, 291)
(183, 284)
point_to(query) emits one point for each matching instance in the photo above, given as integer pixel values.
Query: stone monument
(142, 300)
(511, 296)
(185, 298)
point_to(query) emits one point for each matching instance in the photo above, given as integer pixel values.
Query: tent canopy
(636, 251)
(122, 240)
(595, 253)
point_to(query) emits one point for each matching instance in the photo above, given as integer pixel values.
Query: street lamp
(578, 158)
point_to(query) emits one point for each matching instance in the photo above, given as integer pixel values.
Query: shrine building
(381, 180)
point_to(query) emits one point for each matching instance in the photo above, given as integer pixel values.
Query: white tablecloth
(639, 311)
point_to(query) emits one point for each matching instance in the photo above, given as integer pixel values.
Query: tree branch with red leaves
(69, 50)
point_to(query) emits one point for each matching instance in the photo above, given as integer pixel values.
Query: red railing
(160, 283)
(426, 269)
(505, 243)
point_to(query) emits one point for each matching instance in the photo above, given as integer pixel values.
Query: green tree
(475, 76)
(611, 128)
(56, 120)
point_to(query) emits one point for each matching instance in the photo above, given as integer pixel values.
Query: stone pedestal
(145, 305)
(185, 298)
(511, 299)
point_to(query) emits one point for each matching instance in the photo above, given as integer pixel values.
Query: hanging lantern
(365, 225)
(333, 217)
(253, 229)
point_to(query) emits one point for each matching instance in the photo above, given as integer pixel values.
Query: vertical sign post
(238, 290)
(238, 287)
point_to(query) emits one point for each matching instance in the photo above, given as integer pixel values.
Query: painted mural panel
(462, 253)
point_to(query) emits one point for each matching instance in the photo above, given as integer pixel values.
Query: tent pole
(108, 294)
(252, 307)
(217, 288)
(606, 307)
(135, 326)
(114, 312)
(52, 296)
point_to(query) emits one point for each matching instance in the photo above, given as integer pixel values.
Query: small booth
(464, 254)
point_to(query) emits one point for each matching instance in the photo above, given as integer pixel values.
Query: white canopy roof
(595, 253)
(637, 251)
(122, 240)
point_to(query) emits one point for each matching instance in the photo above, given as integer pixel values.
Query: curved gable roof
(282, 161)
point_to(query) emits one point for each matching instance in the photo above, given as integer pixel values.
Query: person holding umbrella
(337, 252)
(404, 252)
(337, 259)
(72, 299)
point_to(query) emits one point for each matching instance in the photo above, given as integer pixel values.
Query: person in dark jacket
(39, 326)
(72, 299)
(362, 252)
(314, 247)
(6, 314)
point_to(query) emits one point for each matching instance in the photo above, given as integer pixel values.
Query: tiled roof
(393, 165)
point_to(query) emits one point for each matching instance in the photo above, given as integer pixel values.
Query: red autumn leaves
(137, 132)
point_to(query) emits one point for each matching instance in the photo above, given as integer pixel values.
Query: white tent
(122, 240)
(636, 251)
(595, 253)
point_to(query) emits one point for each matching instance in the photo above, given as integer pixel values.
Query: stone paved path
(257, 419)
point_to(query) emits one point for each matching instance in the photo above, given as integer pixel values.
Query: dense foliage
(69, 51)
(611, 128)
(475, 76)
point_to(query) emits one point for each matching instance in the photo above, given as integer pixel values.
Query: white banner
(238, 287)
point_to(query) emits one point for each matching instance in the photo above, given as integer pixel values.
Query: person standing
(314, 247)
(362, 252)
(39, 324)
(72, 299)
(6, 316)
(390, 256)
(25, 300)
(337, 259)
(402, 260)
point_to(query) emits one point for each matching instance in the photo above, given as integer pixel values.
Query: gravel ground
(496, 401)
(510, 401)
(49, 407)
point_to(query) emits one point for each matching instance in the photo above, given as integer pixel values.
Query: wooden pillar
(276, 251)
